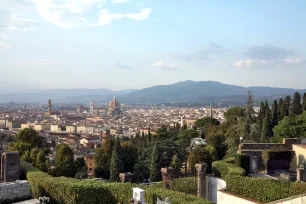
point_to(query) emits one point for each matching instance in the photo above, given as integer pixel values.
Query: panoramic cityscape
(152, 102)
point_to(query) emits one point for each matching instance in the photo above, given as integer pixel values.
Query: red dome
(114, 104)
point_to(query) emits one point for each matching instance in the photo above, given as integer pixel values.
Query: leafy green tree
(115, 164)
(266, 131)
(128, 153)
(26, 156)
(288, 128)
(80, 164)
(274, 114)
(33, 155)
(41, 161)
(153, 169)
(232, 115)
(141, 170)
(201, 154)
(64, 155)
(176, 163)
(27, 139)
(296, 107)
(304, 102)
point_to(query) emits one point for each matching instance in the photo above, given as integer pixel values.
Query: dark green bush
(223, 169)
(72, 191)
(259, 189)
(243, 161)
(262, 190)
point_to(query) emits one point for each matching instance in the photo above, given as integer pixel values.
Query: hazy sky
(121, 44)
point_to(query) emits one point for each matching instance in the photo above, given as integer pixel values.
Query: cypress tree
(274, 121)
(250, 109)
(281, 113)
(115, 164)
(287, 105)
(266, 131)
(153, 169)
(304, 102)
(296, 107)
(262, 111)
(149, 136)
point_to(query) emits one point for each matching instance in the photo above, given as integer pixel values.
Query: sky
(132, 44)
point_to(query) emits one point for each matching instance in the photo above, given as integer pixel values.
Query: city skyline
(121, 44)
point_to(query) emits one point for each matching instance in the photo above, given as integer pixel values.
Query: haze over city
(152, 102)
(133, 44)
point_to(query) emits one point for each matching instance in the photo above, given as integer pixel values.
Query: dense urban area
(139, 146)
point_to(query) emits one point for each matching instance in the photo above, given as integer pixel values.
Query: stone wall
(14, 191)
(213, 185)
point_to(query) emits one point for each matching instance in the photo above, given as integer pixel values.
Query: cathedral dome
(113, 104)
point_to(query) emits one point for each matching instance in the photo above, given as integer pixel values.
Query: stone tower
(92, 107)
(49, 106)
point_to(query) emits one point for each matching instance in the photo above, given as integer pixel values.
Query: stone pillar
(300, 172)
(201, 179)
(126, 177)
(167, 175)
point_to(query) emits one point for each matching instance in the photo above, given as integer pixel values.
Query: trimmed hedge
(186, 185)
(68, 190)
(223, 169)
(259, 189)
(262, 190)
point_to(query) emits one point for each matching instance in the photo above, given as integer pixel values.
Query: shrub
(223, 169)
(186, 185)
(243, 161)
(262, 190)
(63, 190)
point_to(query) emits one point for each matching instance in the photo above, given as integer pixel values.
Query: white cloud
(72, 13)
(294, 60)
(106, 17)
(39, 62)
(249, 63)
(163, 65)
(120, 1)
(4, 45)
(13, 22)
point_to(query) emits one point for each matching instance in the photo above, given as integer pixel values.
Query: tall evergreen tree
(250, 109)
(149, 136)
(262, 112)
(266, 131)
(296, 106)
(281, 110)
(304, 102)
(153, 166)
(274, 121)
(115, 164)
(287, 105)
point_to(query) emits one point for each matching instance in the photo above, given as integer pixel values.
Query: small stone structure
(14, 191)
(138, 196)
(167, 175)
(300, 175)
(10, 166)
(201, 179)
(167, 201)
(126, 177)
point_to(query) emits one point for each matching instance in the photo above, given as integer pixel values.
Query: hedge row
(186, 185)
(67, 190)
(259, 189)
(223, 169)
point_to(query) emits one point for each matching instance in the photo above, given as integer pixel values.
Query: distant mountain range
(189, 92)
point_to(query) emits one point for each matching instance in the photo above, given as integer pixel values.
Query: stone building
(90, 161)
